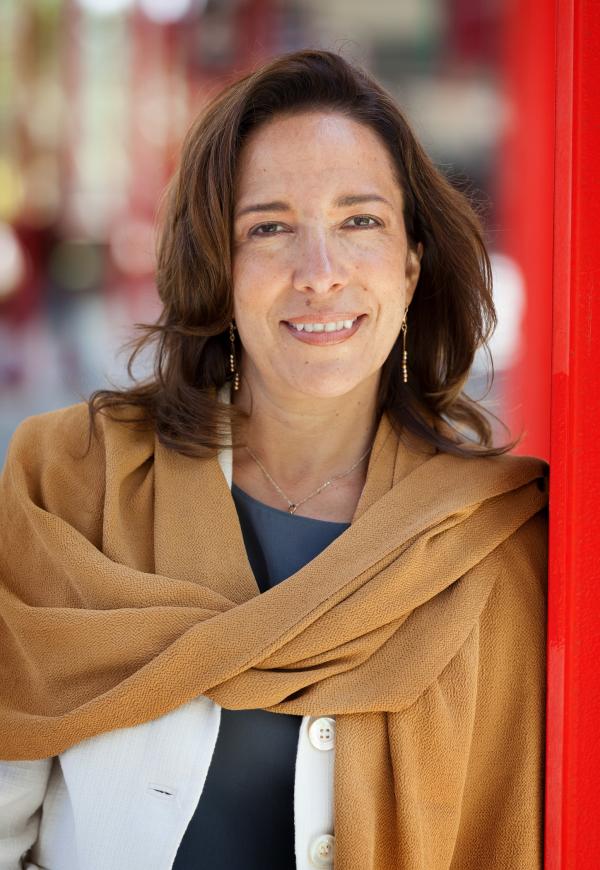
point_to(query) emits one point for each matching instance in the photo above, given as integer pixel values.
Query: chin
(323, 387)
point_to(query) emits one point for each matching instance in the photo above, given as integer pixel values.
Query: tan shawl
(126, 591)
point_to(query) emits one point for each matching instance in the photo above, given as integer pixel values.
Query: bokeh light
(12, 261)
(132, 247)
(76, 265)
(106, 7)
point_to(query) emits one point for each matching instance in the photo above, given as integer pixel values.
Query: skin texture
(313, 407)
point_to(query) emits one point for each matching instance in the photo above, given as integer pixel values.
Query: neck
(302, 441)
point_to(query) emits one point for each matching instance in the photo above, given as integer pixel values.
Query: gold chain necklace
(293, 506)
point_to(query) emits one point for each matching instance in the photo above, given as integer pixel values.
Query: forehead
(314, 151)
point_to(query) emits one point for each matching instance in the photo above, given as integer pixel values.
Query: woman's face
(319, 238)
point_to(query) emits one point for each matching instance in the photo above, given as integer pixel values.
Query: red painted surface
(525, 194)
(550, 224)
(573, 745)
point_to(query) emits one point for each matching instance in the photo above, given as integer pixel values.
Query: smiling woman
(273, 607)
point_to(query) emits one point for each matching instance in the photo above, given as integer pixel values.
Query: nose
(319, 266)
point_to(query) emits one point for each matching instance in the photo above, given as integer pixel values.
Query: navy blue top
(245, 817)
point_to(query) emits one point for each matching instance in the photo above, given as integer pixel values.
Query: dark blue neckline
(281, 513)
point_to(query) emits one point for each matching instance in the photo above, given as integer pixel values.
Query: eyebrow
(342, 202)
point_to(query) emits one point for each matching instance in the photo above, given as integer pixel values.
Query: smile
(327, 332)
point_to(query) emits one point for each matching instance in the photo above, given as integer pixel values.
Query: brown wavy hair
(451, 314)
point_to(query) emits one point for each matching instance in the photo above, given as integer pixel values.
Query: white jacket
(123, 800)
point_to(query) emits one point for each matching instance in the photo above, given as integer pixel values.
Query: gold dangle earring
(404, 327)
(232, 366)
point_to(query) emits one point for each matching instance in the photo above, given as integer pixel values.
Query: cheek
(252, 303)
(391, 304)
(258, 281)
(253, 269)
(247, 287)
(382, 271)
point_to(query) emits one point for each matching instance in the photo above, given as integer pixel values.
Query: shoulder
(58, 462)
(63, 423)
(43, 447)
(69, 434)
(505, 465)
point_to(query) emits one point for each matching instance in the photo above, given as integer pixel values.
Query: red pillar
(573, 741)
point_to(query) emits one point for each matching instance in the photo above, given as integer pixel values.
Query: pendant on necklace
(292, 508)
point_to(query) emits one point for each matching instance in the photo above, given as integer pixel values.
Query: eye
(267, 227)
(365, 217)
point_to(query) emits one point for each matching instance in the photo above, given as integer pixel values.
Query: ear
(413, 270)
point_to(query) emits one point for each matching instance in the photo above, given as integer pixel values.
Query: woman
(283, 549)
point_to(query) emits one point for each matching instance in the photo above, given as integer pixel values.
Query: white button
(322, 851)
(321, 732)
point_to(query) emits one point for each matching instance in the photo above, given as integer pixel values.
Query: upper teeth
(324, 327)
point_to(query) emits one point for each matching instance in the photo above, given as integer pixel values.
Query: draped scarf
(126, 591)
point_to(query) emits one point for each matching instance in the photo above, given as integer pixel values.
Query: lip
(336, 337)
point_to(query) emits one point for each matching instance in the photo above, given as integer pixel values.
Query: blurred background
(96, 95)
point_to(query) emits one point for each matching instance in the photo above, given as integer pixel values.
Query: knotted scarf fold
(125, 591)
